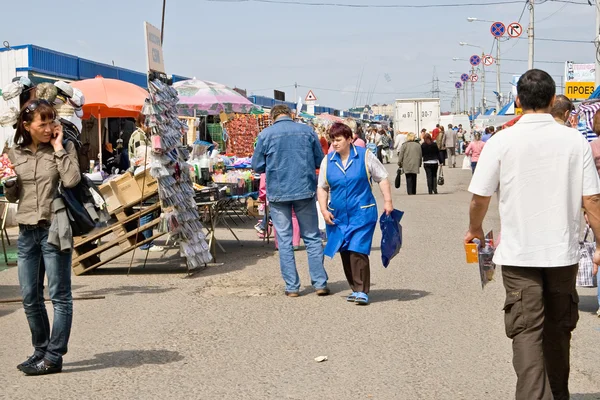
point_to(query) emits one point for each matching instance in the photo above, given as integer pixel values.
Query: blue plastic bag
(391, 235)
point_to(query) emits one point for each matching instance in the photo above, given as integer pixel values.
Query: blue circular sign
(498, 29)
(464, 77)
(458, 85)
(475, 60)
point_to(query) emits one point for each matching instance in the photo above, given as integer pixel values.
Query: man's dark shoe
(323, 292)
(30, 361)
(42, 367)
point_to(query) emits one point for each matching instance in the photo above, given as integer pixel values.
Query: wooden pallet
(88, 251)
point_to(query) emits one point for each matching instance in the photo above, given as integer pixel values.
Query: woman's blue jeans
(148, 232)
(37, 258)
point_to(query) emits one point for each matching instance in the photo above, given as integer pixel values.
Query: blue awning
(473, 117)
(505, 109)
(596, 94)
(490, 111)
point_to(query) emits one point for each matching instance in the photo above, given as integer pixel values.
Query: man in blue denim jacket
(290, 153)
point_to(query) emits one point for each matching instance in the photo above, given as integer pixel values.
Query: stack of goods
(237, 182)
(168, 166)
(242, 131)
(263, 121)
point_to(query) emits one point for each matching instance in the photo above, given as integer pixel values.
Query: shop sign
(154, 49)
(579, 72)
(579, 90)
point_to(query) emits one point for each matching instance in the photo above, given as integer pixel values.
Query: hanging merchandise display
(241, 132)
(168, 165)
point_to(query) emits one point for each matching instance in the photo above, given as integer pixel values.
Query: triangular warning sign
(310, 96)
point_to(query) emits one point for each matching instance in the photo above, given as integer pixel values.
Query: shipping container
(412, 115)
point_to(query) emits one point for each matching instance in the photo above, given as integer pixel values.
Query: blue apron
(352, 204)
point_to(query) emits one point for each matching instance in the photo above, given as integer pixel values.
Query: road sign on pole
(474, 78)
(458, 85)
(515, 30)
(464, 77)
(498, 29)
(475, 60)
(488, 60)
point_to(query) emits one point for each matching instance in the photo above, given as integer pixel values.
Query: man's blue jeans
(306, 213)
(37, 258)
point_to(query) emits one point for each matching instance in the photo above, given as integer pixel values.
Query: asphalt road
(228, 332)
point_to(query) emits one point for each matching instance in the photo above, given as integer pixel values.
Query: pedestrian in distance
(399, 139)
(474, 150)
(349, 207)
(451, 142)
(441, 144)
(410, 160)
(562, 109)
(290, 153)
(540, 214)
(435, 132)
(431, 160)
(42, 162)
(380, 141)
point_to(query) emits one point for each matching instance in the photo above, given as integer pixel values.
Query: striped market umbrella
(198, 98)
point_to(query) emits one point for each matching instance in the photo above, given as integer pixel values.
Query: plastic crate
(216, 132)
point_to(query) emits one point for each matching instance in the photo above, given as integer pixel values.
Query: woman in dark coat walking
(431, 160)
(410, 159)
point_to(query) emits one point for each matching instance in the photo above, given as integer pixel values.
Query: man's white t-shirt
(541, 171)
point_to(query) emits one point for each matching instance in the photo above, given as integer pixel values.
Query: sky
(264, 46)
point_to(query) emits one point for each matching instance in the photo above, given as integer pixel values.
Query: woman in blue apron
(349, 208)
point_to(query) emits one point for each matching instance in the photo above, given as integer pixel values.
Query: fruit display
(242, 131)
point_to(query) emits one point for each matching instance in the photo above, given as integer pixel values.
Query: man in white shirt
(541, 190)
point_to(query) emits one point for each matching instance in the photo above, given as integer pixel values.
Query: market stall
(109, 98)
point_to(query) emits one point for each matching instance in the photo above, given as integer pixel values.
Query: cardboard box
(112, 201)
(120, 192)
(150, 185)
(127, 189)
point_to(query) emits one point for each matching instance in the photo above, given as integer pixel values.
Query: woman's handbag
(585, 274)
(398, 178)
(441, 177)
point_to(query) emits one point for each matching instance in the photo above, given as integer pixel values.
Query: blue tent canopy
(473, 117)
(490, 111)
(596, 94)
(505, 109)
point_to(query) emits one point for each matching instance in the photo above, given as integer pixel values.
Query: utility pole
(498, 99)
(473, 93)
(457, 101)
(530, 32)
(465, 97)
(435, 85)
(295, 91)
(597, 44)
(482, 83)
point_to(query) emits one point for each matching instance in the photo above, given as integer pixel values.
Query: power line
(326, 4)
(368, 92)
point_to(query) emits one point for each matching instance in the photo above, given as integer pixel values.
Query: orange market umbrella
(110, 98)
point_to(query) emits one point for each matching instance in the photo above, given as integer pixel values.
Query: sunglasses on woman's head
(31, 107)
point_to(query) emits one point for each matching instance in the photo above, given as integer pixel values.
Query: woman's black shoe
(30, 361)
(42, 367)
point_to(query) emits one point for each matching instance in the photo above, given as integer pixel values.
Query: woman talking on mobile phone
(41, 163)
